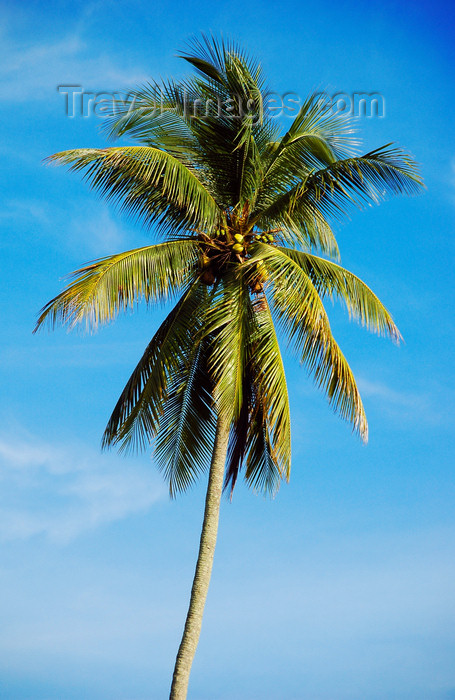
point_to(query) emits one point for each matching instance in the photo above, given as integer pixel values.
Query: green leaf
(264, 409)
(229, 323)
(138, 412)
(305, 324)
(186, 432)
(148, 183)
(333, 280)
(112, 284)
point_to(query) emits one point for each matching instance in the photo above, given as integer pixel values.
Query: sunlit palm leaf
(228, 321)
(137, 414)
(134, 175)
(304, 227)
(315, 139)
(355, 181)
(263, 472)
(238, 436)
(112, 284)
(333, 280)
(302, 317)
(271, 387)
(269, 438)
(187, 426)
(264, 404)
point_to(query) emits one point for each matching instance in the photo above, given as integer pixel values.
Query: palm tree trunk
(204, 565)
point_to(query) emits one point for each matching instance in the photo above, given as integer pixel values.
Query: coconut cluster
(222, 246)
(265, 238)
(235, 242)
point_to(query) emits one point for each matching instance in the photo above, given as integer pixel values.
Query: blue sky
(342, 587)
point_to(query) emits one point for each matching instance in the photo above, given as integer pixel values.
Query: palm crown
(242, 211)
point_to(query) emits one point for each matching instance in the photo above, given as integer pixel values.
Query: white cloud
(93, 229)
(382, 391)
(97, 230)
(33, 72)
(402, 405)
(60, 491)
(28, 210)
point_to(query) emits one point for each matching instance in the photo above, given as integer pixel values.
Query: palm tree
(245, 246)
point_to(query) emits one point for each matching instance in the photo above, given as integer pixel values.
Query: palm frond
(186, 431)
(271, 387)
(136, 417)
(265, 407)
(269, 438)
(239, 432)
(106, 286)
(357, 181)
(305, 227)
(315, 139)
(303, 319)
(333, 133)
(228, 321)
(147, 182)
(330, 279)
(263, 471)
(212, 57)
(157, 115)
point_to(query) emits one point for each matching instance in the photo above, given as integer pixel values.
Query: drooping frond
(240, 430)
(106, 286)
(333, 280)
(265, 407)
(186, 431)
(136, 417)
(304, 321)
(271, 387)
(263, 472)
(148, 183)
(228, 321)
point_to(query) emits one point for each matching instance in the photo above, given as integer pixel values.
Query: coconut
(237, 248)
(238, 237)
(208, 277)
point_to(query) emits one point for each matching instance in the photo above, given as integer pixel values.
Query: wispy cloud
(26, 210)
(96, 227)
(386, 393)
(91, 228)
(412, 406)
(32, 72)
(62, 491)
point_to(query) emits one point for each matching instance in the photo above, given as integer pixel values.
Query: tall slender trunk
(204, 565)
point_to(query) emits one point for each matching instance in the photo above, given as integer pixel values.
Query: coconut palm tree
(245, 248)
